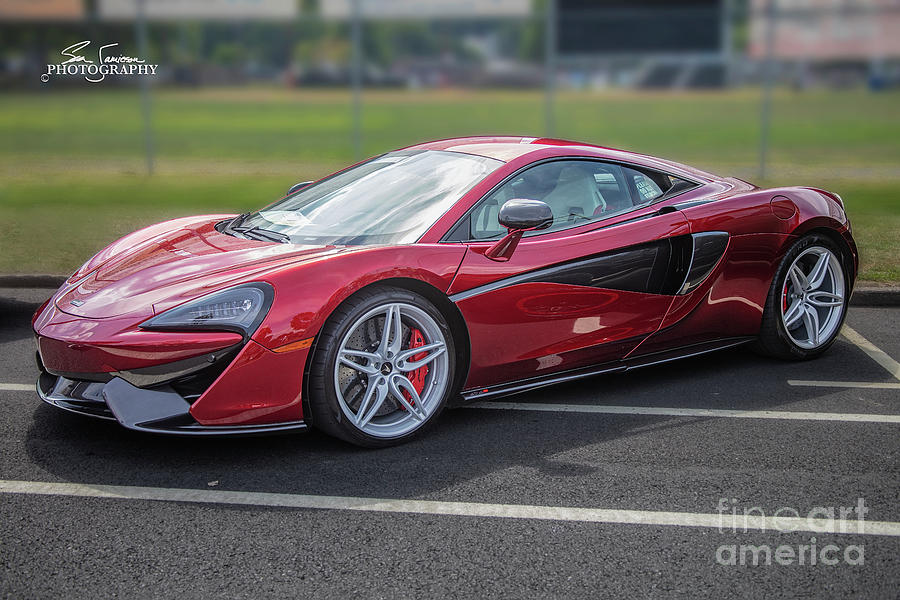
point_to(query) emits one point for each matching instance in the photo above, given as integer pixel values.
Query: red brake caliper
(417, 377)
(784, 302)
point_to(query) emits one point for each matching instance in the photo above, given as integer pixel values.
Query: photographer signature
(74, 57)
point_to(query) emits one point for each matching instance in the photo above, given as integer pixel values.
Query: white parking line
(865, 385)
(688, 412)
(16, 387)
(874, 352)
(466, 509)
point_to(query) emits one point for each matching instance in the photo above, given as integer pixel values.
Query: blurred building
(659, 44)
(645, 43)
(839, 42)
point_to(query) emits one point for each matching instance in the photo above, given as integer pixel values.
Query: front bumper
(228, 385)
(159, 410)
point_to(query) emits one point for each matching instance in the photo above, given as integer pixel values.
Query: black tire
(323, 401)
(774, 339)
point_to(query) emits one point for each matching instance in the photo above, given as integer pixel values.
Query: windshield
(392, 199)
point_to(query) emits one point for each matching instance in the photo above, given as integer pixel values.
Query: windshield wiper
(264, 234)
(238, 220)
(256, 231)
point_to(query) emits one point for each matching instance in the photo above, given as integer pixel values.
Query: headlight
(241, 309)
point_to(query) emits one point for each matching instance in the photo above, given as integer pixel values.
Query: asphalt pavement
(443, 516)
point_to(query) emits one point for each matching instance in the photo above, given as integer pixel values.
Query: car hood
(174, 266)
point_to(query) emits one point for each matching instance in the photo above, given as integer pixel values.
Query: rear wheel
(383, 368)
(808, 300)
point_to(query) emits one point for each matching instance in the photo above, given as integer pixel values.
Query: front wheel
(383, 368)
(807, 302)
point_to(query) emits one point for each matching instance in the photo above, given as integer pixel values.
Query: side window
(647, 189)
(577, 191)
(650, 186)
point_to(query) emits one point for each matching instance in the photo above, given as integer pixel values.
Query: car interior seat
(575, 194)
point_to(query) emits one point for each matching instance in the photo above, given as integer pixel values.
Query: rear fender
(823, 212)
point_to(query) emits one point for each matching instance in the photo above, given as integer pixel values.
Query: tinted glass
(392, 199)
(577, 191)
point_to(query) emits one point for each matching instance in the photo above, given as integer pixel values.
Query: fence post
(768, 83)
(550, 69)
(140, 25)
(356, 76)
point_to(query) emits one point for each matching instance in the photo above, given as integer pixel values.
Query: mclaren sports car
(365, 303)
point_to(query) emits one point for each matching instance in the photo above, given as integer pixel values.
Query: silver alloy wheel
(812, 298)
(373, 368)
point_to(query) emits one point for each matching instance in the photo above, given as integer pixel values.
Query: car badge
(76, 302)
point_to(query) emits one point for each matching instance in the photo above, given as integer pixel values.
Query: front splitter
(161, 411)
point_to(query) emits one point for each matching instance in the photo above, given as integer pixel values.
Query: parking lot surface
(619, 485)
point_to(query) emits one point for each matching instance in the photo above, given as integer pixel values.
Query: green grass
(875, 215)
(72, 172)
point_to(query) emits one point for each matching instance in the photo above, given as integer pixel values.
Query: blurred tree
(272, 47)
(531, 34)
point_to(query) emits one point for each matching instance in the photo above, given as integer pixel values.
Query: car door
(585, 291)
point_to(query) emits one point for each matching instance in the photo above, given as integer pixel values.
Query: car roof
(508, 148)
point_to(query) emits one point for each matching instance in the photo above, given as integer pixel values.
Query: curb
(876, 296)
(868, 296)
(32, 281)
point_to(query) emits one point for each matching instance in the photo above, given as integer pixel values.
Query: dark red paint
(515, 332)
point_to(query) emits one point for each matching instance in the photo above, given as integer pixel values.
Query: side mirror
(518, 216)
(525, 215)
(299, 186)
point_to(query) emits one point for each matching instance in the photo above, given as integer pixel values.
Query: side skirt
(619, 366)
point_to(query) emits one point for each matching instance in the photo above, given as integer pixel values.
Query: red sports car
(461, 269)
